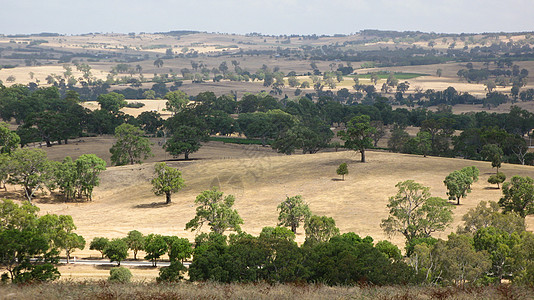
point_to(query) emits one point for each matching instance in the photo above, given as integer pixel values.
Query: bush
(172, 273)
(135, 105)
(120, 274)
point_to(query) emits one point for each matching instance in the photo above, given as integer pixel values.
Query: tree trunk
(363, 155)
(168, 198)
(294, 228)
(135, 254)
(186, 156)
(68, 257)
(458, 203)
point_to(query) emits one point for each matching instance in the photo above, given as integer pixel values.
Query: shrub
(120, 274)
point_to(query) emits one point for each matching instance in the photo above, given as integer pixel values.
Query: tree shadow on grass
(152, 205)
(491, 188)
(337, 179)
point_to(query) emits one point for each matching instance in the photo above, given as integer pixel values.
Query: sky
(267, 17)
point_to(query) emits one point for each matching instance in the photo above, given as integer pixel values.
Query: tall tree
(414, 214)
(216, 212)
(493, 153)
(130, 147)
(357, 136)
(458, 184)
(116, 250)
(9, 140)
(31, 169)
(135, 241)
(168, 180)
(518, 196)
(293, 211)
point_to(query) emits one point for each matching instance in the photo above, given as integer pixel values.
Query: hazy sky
(268, 17)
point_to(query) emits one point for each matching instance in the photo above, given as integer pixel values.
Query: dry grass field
(260, 179)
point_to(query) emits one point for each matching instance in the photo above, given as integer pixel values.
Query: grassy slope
(260, 181)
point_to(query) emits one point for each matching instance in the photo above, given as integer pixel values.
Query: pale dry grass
(260, 180)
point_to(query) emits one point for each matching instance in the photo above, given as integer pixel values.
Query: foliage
(180, 249)
(176, 101)
(485, 215)
(320, 229)
(78, 179)
(168, 180)
(8, 140)
(493, 153)
(497, 179)
(185, 140)
(31, 169)
(458, 184)
(112, 102)
(155, 246)
(216, 211)
(390, 250)
(293, 211)
(518, 196)
(357, 136)
(415, 214)
(135, 241)
(173, 273)
(116, 250)
(277, 233)
(342, 170)
(130, 147)
(99, 244)
(120, 275)
(26, 251)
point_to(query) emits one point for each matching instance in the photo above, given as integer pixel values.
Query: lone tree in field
(414, 214)
(497, 179)
(216, 211)
(458, 184)
(342, 170)
(293, 211)
(131, 146)
(168, 180)
(358, 134)
(493, 153)
(518, 196)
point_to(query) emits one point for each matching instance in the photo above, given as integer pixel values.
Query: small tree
(293, 211)
(135, 241)
(99, 244)
(70, 242)
(497, 179)
(130, 147)
(320, 229)
(173, 273)
(518, 196)
(155, 246)
(185, 140)
(216, 211)
(167, 181)
(493, 153)
(357, 136)
(180, 249)
(31, 169)
(116, 250)
(342, 170)
(458, 184)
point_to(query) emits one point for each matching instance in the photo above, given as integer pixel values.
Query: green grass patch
(398, 75)
(232, 140)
